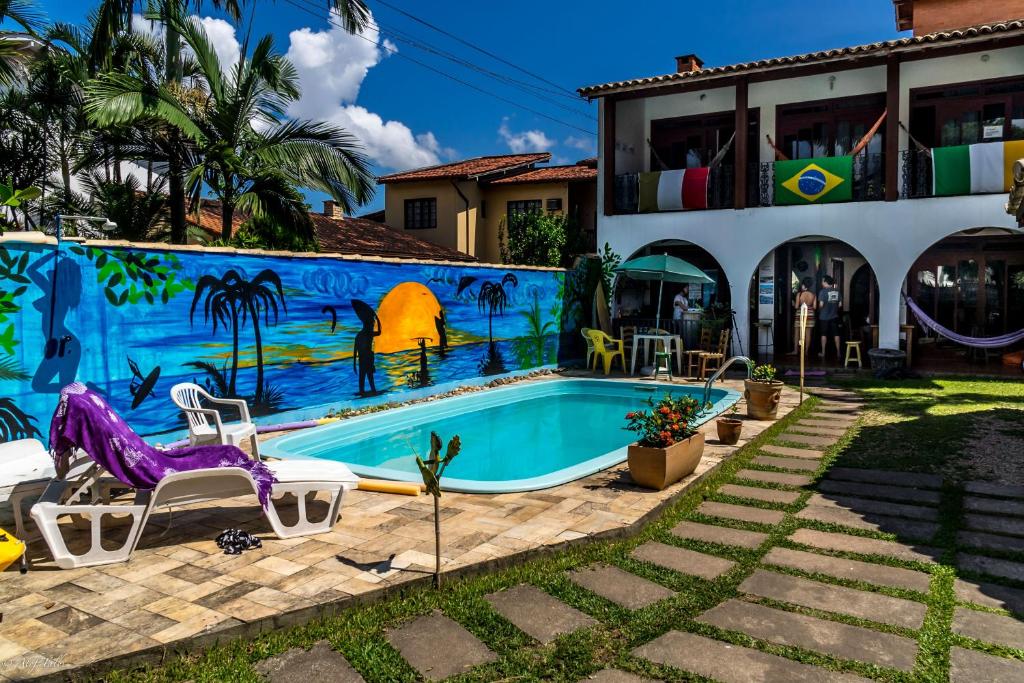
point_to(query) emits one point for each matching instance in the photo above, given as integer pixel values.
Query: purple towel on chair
(84, 420)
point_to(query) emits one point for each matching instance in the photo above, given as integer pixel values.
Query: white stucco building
(961, 257)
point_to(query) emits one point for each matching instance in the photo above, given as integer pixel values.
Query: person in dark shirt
(830, 303)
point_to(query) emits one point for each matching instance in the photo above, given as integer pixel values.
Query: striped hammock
(974, 342)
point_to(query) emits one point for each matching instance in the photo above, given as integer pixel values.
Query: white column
(889, 287)
(739, 286)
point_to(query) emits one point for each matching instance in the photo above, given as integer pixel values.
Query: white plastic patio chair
(297, 477)
(190, 397)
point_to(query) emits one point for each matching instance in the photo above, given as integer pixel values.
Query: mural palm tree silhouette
(233, 301)
(492, 297)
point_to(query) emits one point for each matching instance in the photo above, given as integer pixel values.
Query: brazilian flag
(814, 181)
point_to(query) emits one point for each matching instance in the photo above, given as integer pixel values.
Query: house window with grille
(554, 204)
(523, 206)
(421, 214)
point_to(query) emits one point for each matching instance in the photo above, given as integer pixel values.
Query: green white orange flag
(986, 167)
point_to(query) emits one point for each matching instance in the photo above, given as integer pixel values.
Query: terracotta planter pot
(762, 399)
(729, 430)
(657, 468)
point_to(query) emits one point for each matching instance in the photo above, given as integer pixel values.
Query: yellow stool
(853, 354)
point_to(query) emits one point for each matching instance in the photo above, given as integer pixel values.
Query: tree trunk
(176, 197)
(437, 542)
(227, 214)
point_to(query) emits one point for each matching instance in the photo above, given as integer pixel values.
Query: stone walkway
(841, 588)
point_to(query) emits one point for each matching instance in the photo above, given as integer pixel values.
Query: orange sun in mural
(406, 312)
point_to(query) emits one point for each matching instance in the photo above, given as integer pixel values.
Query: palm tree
(114, 17)
(247, 153)
(12, 49)
(140, 214)
(493, 297)
(221, 304)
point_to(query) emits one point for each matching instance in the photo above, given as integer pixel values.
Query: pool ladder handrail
(718, 373)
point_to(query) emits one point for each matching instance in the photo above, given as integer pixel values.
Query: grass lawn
(926, 425)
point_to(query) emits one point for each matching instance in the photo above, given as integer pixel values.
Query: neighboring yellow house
(461, 205)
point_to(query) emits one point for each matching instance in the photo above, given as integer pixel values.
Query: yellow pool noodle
(404, 488)
(11, 549)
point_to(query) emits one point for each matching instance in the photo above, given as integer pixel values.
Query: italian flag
(983, 168)
(674, 190)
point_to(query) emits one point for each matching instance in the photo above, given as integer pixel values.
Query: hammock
(974, 342)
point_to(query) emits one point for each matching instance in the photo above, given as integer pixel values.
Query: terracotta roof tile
(549, 174)
(898, 45)
(469, 168)
(370, 238)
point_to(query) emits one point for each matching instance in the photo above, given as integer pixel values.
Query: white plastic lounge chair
(297, 477)
(190, 398)
(25, 470)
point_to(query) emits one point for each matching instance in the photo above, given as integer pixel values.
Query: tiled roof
(469, 168)
(369, 238)
(901, 44)
(549, 174)
(353, 236)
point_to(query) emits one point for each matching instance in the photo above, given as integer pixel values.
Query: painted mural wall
(283, 332)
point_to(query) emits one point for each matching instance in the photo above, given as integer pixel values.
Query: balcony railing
(868, 180)
(721, 189)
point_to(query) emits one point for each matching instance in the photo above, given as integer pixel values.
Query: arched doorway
(802, 265)
(710, 304)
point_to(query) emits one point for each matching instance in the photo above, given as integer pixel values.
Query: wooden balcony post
(892, 128)
(609, 156)
(742, 151)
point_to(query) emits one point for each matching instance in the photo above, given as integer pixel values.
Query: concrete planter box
(658, 468)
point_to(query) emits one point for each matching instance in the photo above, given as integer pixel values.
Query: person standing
(830, 304)
(803, 296)
(681, 303)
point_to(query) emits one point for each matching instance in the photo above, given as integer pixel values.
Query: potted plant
(729, 427)
(763, 392)
(668, 445)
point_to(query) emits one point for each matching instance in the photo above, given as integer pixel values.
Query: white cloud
(524, 141)
(586, 145)
(221, 34)
(332, 65)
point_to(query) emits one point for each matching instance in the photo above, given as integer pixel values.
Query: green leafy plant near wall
(129, 277)
(12, 269)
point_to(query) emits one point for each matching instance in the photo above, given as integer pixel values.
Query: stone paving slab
(904, 528)
(741, 513)
(990, 595)
(802, 464)
(1009, 526)
(851, 570)
(537, 614)
(756, 493)
(799, 630)
(994, 506)
(438, 647)
(900, 494)
(835, 431)
(792, 452)
(989, 488)
(819, 442)
(683, 560)
(831, 408)
(825, 422)
(829, 598)
(783, 478)
(319, 663)
(848, 417)
(732, 663)
(989, 628)
(879, 507)
(709, 533)
(889, 478)
(971, 666)
(982, 541)
(865, 546)
(1007, 569)
(618, 586)
(615, 676)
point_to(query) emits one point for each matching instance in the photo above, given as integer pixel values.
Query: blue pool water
(517, 438)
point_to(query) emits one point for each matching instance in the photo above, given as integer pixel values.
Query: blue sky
(408, 115)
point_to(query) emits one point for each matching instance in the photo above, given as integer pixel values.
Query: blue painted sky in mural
(108, 323)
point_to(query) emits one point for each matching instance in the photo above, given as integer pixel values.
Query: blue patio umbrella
(663, 268)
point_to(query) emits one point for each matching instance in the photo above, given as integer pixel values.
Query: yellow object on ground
(607, 350)
(381, 486)
(10, 549)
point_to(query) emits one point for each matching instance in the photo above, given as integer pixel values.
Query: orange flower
(664, 410)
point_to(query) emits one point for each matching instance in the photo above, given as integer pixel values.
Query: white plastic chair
(190, 397)
(300, 478)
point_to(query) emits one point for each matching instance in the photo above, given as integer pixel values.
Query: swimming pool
(523, 437)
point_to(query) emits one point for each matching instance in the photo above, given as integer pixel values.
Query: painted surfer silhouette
(362, 349)
(441, 323)
(61, 293)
